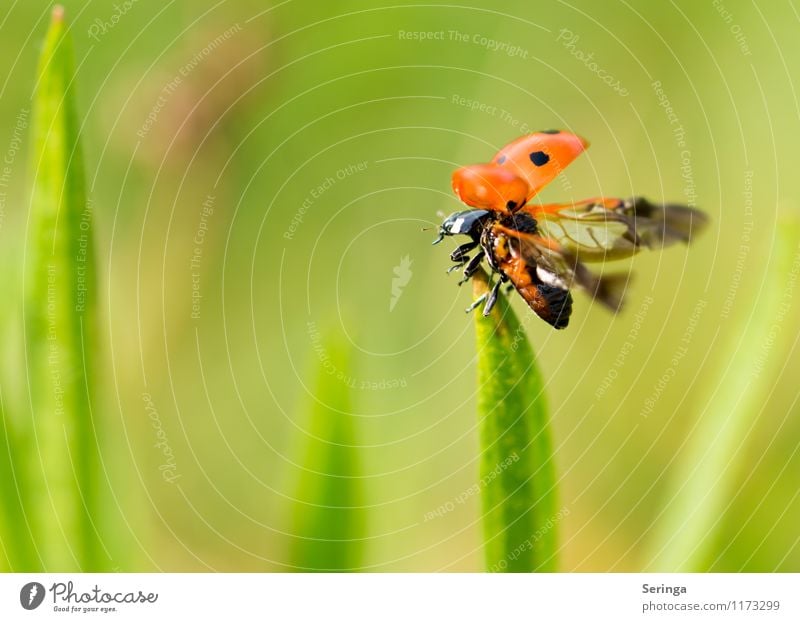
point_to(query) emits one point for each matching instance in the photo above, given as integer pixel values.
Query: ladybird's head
(469, 222)
(490, 186)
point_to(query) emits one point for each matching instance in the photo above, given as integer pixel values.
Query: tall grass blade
(328, 522)
(517, 471)
(59, 291)
(17, 552)
(685, 534)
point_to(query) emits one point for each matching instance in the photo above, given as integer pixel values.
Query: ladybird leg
(492, 299)
(460, 253)
(477, 302)
(472, 267)
(509, 288)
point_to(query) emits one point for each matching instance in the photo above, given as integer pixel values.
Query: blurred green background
(260, 174)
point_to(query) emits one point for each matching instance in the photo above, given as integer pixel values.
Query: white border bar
(409, 597)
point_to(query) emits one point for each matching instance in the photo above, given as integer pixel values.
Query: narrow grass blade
(17, 552)
(328, 523)
(684, 536)
(59, 290)
(517, 471)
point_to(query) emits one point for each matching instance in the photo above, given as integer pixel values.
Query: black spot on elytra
(539, 158)
(550, 132)
(501, 159)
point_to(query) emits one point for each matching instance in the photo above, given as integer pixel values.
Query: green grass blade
(685, 533)
(328, 522)
(59, 290)
(16, 546)
(17, 552)
(517, 470)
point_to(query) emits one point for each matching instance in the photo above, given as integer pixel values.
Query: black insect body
(545, 292)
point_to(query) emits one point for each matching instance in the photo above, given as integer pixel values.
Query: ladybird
(542, 250)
